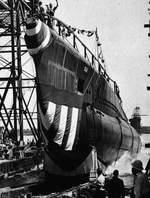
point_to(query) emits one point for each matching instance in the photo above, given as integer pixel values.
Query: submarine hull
(79, 109)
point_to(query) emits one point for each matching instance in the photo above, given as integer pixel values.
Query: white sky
(125, 43)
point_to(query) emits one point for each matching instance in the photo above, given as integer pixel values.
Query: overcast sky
(124, 41)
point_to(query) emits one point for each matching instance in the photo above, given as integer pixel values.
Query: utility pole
(148, 87)
(148, 26)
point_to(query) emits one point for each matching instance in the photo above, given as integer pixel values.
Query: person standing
(141, 187)
(115, 186)
(51, 10)
(148, 169)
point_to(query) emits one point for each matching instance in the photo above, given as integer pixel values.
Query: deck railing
(68, 34)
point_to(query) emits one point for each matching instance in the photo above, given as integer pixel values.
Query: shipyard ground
(35, 184)
(20, 177)
(38, 182)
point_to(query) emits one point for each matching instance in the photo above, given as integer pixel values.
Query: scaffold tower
(17, 76)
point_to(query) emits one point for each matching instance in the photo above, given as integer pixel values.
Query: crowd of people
(115, 188)
(10, 150)
(141, 187)
(42, 11)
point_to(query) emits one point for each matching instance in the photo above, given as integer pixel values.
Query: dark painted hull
(78, 108)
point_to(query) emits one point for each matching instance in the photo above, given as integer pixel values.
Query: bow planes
(80, 112)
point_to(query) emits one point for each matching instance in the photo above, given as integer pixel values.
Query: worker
(51, 10)
(101, 178)
(141, 187)
(115, 186)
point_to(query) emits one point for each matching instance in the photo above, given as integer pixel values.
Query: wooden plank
(23, 179)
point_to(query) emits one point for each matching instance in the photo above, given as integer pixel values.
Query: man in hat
(141, 183)
(51, 9)
(115, 186)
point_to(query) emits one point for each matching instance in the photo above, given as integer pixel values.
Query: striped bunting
(57, 116)
(68, 126)
(73, 128)
(62, 125)
(65, 120)
(37, 35)
(49, 117)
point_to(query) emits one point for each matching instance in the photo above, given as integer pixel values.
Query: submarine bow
(78, 109)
